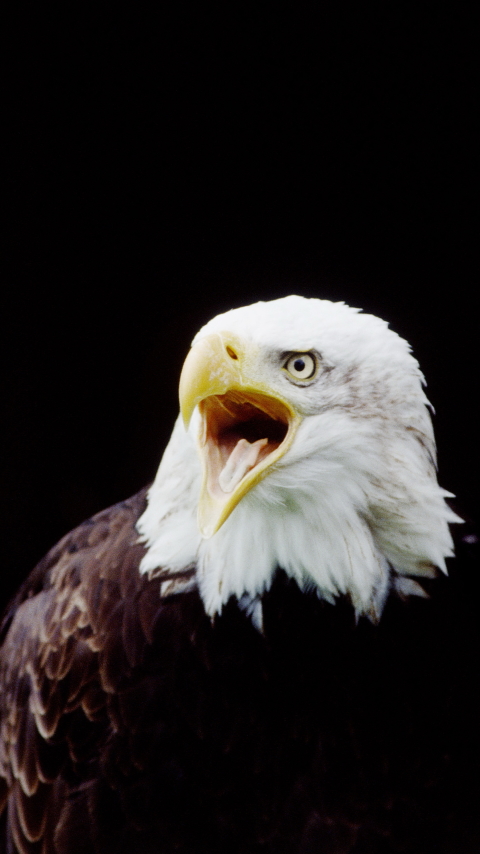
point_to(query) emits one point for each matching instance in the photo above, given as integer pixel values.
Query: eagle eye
(301, 366)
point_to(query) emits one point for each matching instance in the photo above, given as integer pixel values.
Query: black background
(167, 164)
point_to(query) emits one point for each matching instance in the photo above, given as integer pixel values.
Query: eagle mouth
(241, 431)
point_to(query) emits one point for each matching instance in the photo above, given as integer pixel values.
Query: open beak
(245, 427)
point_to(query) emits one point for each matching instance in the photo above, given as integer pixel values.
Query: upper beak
(245, 425)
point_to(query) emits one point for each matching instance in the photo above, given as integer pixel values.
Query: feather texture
(355, 500)
(160, 692)
(319, 734)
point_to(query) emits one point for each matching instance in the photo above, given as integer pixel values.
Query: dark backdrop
(166, 165)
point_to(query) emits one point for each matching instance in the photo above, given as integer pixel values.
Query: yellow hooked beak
(245, 426)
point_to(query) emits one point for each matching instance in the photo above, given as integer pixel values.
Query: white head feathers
(351, 507)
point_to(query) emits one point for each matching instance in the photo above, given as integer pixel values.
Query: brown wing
(131, 725)
(69, 638)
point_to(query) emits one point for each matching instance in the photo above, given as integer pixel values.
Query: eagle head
(304, 442)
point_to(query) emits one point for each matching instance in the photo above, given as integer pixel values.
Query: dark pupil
(299, 365)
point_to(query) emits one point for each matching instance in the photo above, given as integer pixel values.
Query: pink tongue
(243, 458)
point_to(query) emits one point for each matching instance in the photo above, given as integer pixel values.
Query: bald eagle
(261, 653)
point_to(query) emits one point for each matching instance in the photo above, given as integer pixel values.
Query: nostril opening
(231, 353)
